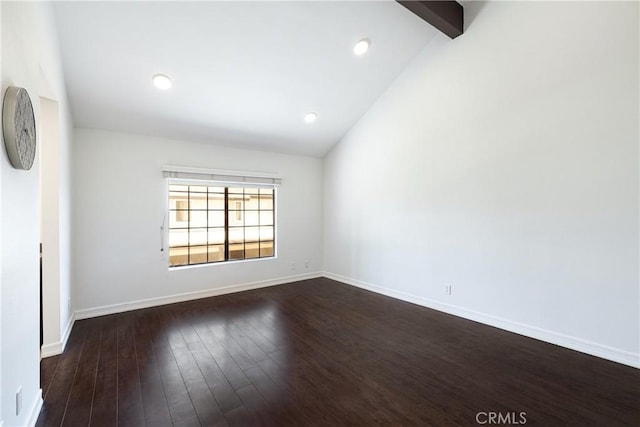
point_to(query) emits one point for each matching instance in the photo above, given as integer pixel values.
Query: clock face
(19, 128)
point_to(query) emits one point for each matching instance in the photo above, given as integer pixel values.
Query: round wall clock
(19, 127)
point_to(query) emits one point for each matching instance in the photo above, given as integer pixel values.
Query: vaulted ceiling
(243, 73)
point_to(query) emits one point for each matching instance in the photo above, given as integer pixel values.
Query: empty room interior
(320, 213)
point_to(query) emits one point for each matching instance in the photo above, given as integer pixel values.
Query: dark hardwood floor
(321, 353)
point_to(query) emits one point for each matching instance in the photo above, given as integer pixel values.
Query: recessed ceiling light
(310, 117)
(161, 81)
(361, 47)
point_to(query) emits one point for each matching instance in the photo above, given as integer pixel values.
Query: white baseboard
(153, 302)
(53, 349)
(58, 347)
(35, 409)
(67, 330)
(573, 343)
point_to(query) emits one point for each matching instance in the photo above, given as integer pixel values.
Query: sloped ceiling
(243, 73)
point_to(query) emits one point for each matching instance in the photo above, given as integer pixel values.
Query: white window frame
(180, 175)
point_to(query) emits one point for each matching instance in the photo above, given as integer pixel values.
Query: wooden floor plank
(81, 394)
(130, 409)
(181, 408)
(48, 368)
(154, 401)
(105, 394)
(201, 395)
(55, 405)
(319, 352)
(219, 385)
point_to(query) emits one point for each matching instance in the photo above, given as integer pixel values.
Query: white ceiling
(244, 73)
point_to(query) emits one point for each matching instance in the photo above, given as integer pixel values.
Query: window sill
(211, 264)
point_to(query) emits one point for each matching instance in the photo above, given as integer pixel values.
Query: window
(209, 224)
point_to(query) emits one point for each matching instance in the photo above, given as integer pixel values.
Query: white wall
(50, 231)
(119, 205)
(504, 163)
(55, 197)
(29, 59)
(56, 225)
(1, 139)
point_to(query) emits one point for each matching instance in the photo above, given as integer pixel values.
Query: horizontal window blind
(238, 178)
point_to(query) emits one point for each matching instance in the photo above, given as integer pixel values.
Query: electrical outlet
(306, 264)
(447, 289)
(293, 265)
(18, 401)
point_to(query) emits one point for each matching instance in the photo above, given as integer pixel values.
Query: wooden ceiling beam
(446, 16)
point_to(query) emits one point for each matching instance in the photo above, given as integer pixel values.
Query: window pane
(198, 236)
(216, 235)
(174, 187)
(178, 219)
(266, 202)
(216, 201)
(251, 201)
(251, 218)
(197, 219)
(178, 238)
(197, 200)
(216, 218)
(252, 250)
(216, 253)
(236, 251)
(178, 200)
(235, 198)
(266, 249)
(236, 218)
(236, 235)
(178, 256)
(266, 217)
(207, 221)
(197, 254)
(266, 233)
(251, 234)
